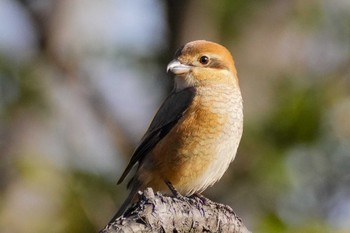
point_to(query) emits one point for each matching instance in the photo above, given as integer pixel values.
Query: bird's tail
(135, 186)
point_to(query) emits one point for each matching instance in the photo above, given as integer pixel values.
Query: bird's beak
(177, 68)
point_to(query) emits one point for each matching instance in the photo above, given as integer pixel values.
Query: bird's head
(202, 62)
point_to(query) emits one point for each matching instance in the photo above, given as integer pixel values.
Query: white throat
(182, 82)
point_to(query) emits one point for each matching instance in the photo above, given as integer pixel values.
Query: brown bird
(195, 134)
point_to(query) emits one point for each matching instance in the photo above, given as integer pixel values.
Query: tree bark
(155, 212)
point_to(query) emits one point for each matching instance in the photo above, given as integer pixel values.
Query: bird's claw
(202, 198)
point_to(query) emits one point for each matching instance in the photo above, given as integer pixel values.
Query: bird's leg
(173, 190)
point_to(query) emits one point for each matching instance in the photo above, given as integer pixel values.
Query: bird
(195, 134)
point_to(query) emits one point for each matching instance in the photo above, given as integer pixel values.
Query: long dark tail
(135, 186)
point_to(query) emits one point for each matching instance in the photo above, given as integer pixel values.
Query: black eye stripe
(217, 64)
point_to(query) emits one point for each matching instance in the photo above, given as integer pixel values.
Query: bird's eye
(204, 60)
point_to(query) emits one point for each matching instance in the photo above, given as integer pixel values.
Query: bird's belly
(196, 153)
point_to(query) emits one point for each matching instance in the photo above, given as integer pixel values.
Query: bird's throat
(184, 81)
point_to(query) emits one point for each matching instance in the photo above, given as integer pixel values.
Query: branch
(157, 213)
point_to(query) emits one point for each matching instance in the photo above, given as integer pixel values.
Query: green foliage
(271, 223)
(20, 88)
(232, 15)
(85, 201)
(309, 15)
(297, 116)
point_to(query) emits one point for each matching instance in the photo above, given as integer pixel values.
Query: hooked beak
(177, 68)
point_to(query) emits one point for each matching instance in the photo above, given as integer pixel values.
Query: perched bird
(195, 134)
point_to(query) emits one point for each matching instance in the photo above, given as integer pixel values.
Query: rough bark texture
(157, 213)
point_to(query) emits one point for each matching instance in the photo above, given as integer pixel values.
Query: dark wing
(166, 118)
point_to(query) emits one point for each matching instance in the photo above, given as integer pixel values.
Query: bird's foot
(202, 198)
(174, 191)
(206, 200)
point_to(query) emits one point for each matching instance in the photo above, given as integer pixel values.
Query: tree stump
(154, 212)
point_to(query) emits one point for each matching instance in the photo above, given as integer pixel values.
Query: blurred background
(81, 80)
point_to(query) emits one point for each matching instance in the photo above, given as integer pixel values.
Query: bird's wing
(166, 118)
